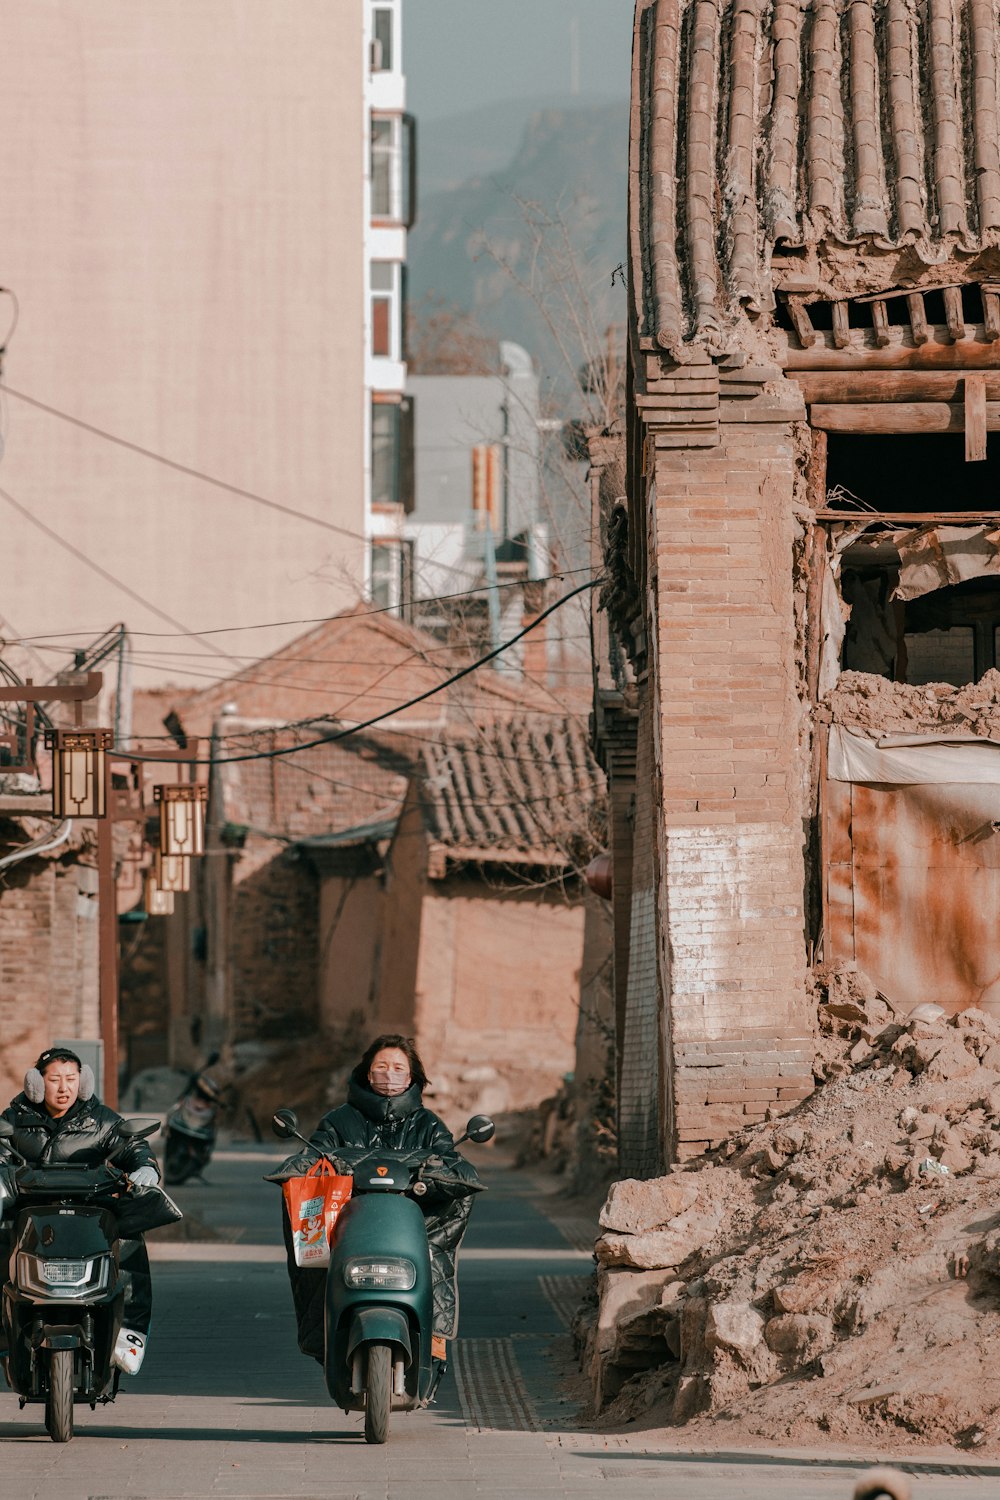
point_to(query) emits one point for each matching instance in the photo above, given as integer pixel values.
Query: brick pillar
(731, 863)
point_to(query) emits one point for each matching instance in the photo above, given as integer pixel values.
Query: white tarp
(932, 557)
(903, 761)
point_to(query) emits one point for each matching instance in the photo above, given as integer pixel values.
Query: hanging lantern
(158, 903)
(182, 818)
(79, 771)
(172, 872)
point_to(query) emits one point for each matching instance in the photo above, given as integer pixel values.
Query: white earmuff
(34, 1086)
(87, 1083)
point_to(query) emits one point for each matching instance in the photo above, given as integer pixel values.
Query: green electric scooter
(379, 1309)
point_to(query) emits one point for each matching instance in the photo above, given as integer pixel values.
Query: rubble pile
(834, 1270)
(874, 706)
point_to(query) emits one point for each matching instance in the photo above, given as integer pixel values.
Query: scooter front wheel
(59, 1403)
(378, 1393)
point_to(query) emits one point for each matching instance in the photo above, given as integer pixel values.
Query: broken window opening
(912, 604)
(923, 472)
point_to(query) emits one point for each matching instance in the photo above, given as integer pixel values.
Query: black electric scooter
(62, 1291)
(191, 1127)
(379, 1308)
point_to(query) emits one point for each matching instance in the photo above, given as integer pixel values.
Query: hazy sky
(462, 53)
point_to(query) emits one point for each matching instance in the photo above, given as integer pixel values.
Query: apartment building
(203, 221)
(389, 211)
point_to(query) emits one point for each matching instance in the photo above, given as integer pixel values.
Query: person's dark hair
(57, 1054)
(404, 1044)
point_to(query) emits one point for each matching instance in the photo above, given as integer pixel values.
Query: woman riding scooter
(56, 1119)
(384, 1109)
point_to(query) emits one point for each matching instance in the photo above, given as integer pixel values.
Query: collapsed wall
(833, 1271)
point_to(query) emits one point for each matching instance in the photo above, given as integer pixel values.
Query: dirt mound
(874, 706)
(832, 1271)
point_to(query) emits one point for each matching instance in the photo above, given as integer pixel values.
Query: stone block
(634, 1206)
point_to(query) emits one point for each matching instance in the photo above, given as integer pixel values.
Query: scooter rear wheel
(59, 1404)
(378, 1393)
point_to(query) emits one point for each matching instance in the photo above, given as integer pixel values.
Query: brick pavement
(226, 1406)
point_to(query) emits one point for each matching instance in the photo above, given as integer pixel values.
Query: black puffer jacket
(87, 1134)
(401, 1123)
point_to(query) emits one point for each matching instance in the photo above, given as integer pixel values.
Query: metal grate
(491, 1389)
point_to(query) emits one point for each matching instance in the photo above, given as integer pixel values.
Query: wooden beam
(902, 291)
(880, 323)
(953, 312)
(899, 416)
(918, 317)
(889, 385)
(975, 417)
(901, 353)
(801, 322)
(991, 315)
(840, 312)
(908, 517)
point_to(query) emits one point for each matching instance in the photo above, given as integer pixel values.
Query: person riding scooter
(57, 1120)
(385, 1109)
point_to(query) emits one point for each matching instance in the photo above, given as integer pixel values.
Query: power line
(391, 712)
(179, 468)
(101, 572)
(347, 617)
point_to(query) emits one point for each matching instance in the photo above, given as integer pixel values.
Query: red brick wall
(731, 861)
(48, 963)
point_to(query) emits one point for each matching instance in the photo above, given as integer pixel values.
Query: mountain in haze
(554, 217)
(477, 142)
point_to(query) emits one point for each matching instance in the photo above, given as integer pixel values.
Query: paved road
(226, 1406)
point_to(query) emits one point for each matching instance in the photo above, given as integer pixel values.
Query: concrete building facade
(186, 227)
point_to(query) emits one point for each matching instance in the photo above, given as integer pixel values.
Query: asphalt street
(225, 1405)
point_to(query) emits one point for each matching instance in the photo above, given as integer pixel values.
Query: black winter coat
(87, 1134)
(401, 1123)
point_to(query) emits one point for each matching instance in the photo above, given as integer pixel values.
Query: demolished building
(798, 699)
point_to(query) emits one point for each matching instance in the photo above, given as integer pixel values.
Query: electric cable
(178, 467)
(431, 692)
(346, 615)
(101, 572)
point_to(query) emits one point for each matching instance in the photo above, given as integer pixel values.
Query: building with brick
(48, 929)
(421, 874)
(797, 701)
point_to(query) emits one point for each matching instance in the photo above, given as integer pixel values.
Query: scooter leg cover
(134, 1262)
(445, 1228)
(309, 1297)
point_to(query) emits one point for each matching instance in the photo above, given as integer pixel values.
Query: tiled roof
(839, 129)
(522, 791)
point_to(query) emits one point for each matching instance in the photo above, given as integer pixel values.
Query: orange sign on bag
(313, 1202)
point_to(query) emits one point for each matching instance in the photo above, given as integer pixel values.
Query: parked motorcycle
(190, 1128)
(63, 1293)
(379, 1312)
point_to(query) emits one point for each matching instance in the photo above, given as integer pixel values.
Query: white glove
(144, 1177)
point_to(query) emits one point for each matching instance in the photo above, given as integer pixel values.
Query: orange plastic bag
(313, 1202)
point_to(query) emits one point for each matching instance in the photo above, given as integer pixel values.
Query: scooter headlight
(388, 1274)
(61, 1280)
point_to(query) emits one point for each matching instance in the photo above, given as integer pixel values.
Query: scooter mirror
(6, 1130)
(480, 1129)
(140, 1128)
(285, 1124)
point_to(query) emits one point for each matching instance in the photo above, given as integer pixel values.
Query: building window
(393, 168)
(392, 452)
(392, 576)
(387, 309)
(382, 38)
